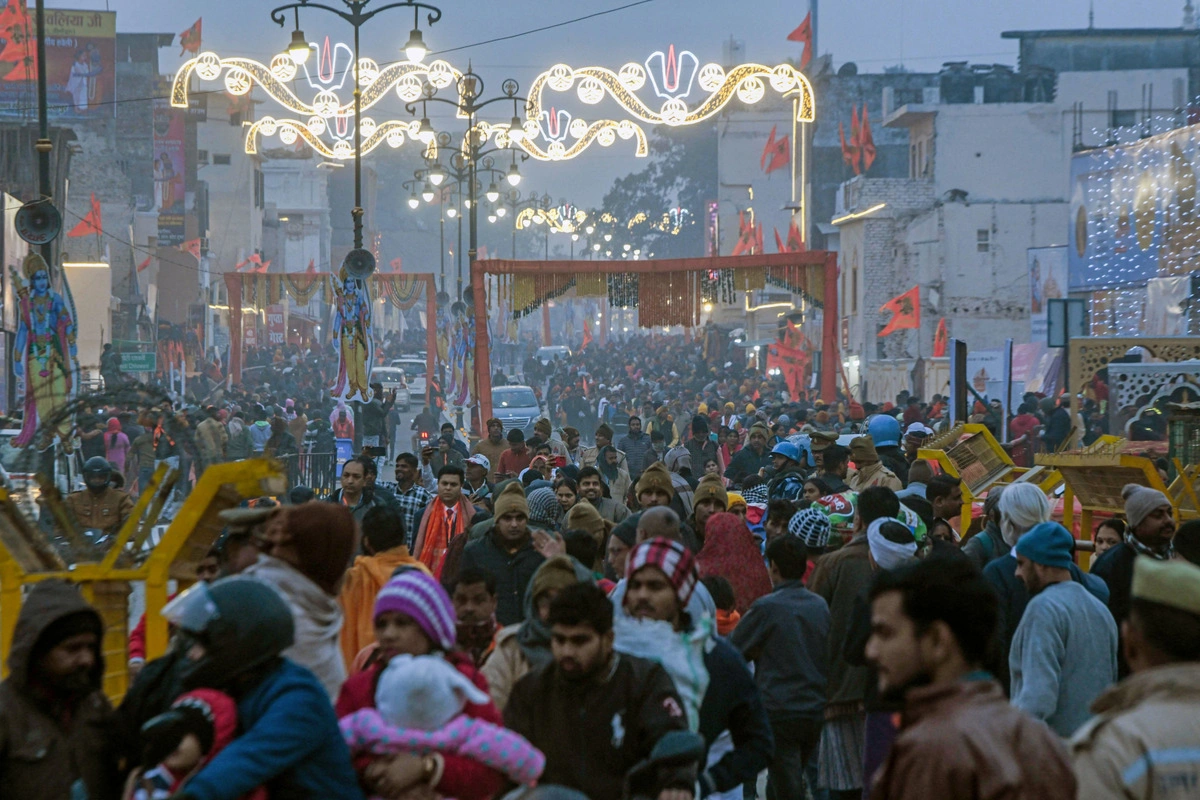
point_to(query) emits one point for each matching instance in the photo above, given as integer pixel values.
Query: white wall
(235, 224)
(91, 288)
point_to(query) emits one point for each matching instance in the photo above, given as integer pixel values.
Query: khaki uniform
(1144, 741)
(105, 511)
(872, 475)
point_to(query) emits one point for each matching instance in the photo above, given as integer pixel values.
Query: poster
(169, 189)
(983, 367)
(1047, 281)
(80, 48)
(276, 331)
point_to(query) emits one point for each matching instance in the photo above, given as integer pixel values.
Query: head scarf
(731, 552)
(544, 508)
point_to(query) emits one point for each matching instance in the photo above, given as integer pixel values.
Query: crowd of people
(683, 581)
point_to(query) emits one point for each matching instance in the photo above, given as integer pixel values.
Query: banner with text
(80, 48)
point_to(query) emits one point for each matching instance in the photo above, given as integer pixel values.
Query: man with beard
(593, 712)
(614, 475)
(474, 596)
(53, 714)
(634, 445)
(591, 487)
(590, 456)
(492, 447)
(1151, 525)
(932, 624)
(752, 458)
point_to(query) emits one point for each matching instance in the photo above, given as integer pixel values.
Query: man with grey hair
(986, 546)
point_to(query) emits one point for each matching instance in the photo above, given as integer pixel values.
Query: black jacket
(513, 573)
(594, 731)
(733, 703)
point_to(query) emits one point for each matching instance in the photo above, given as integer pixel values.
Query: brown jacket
(106, 511)
(1120, 752)
(841, 577)
(47, 746)
(870, 475)
(965, 742)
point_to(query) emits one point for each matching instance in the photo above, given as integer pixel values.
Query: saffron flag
(780, 247)
(142, 266)
(795, 244)
(777, 154)
(940, 339)
(804, 35)
(189, 40)
(855, 141)
(906, 311)
(866, 142)
(745, 241)
(849, 150)
(312, 267)
(18, 42)
(191, 246)
(587, 334)
(758, 240)
(395, 264)
(90, 223)
(791, 362)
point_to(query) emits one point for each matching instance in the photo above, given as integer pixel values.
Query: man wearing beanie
(1064, 653)
(507, 552)
(53, 714)
(710, 498)
(1142, 741)
(751, 459)
(1150, 525)
(654, 488)
(868, 469)
(585, 517)
(493, 446)
(590, 456)
(699, 446)
(661, 578)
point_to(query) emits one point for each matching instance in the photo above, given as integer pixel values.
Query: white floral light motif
(368, 71)
(283, 67)
(287, 134)
(632, 76)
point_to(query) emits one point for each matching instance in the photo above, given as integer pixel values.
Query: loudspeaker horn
(38, 222)
(359, 263)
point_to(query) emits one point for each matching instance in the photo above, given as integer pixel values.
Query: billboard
(169, 188)
(80, 49)
(1133, 212)
(1047, 281)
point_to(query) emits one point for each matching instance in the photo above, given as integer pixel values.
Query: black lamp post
(359, 262)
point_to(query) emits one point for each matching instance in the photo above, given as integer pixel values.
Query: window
(201, 156)
(221, 159)
(854, 289)
(983, 240)
(1123, 118)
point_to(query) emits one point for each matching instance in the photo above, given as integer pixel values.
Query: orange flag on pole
(776, 154)
(804, 35)
(906, 311)
(866, 142)
(189, 40)
(941, 338)
(90, 223)
(587, 334)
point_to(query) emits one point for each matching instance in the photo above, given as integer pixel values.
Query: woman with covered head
(731, 551)
(415, 617)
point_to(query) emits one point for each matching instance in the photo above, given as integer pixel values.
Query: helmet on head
(241, 624)
(884, 430)
(787, 450)
(96, 472)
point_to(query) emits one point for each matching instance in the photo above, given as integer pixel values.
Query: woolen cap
(1140, 502)
(603, 430)
(510, 500)
(421, 597)
(862, 451)
(1170, 583)
(585, 517)
(711, 487)
(672, 558)
(655, 477)
(1048, 544)
(811, 525)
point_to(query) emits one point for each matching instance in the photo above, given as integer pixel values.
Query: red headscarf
(731, 551)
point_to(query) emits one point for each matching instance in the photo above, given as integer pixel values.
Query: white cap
(918, 428)
(481, 460)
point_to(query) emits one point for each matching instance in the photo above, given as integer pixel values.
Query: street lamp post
(359, 262)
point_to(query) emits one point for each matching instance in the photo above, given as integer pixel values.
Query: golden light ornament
(711, 77)
(368, 71)
(408, 89)
(441, 74)
(560, 77)
(577, 128)
(237, 82)
(395, 138)
(606, 137)
(783, 79)
(283, 67)
(288, 134)
(591, 91)
(207, 66)
(557, 151)
(317, 125)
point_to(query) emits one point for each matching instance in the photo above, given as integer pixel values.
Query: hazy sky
(920, 34)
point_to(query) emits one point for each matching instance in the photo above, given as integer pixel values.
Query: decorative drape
(402, 291)
(669, 298)
(303, 287)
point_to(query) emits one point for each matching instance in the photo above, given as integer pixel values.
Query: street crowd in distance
(681, 582)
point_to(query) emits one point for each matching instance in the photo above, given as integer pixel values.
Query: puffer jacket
(48, 745)
(1143, 740)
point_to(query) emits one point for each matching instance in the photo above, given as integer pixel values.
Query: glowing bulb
(628, 247)
(516, 130)
(492, 194)
(574, 237)
(596, 247)
(426, 132)
(589, 230)
(415, 48)
(501, 211)
(608, 237)
(437, 175)
(451, 212)
(514, 175)
(427, 193)
(538, 218)
(413, 202)
(491, 218)
(298, 48)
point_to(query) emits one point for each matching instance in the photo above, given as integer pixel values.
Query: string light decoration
(325, 122)
(563, 218)
(1133, 219)
(672, 75)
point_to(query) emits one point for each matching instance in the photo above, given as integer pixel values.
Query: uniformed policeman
(101, 506)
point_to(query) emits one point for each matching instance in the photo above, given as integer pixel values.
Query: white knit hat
(423, 692)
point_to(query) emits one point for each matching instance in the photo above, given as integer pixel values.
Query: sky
(919, 34)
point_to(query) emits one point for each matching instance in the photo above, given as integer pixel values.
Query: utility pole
(44, 145)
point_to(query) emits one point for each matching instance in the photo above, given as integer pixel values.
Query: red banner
(792, 364)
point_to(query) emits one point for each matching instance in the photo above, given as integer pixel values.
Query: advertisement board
(80, 48)
(276, 331)
(169, 188)
(1047, 281)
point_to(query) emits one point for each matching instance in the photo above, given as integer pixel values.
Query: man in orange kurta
(384, 540)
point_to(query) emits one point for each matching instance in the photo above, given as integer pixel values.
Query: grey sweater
(1064, 654)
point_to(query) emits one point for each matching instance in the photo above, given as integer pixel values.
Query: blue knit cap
(1048, 544)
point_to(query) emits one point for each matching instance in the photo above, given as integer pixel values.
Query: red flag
(191, 246)
(587, 336)
(803, 34)
(866, 142)
(940, 339)
(259, 264)
(142, 266)
(795, 244)
(855, 147)
(791, 362)
(777, 154)
(395, 264)
(90, 223)
(780, 247)
(758, 240)
(849, 150)
(18, 42)
(312, 267)
(745, 240)
(906, 311)
(189, 40)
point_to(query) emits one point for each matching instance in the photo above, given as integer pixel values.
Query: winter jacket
(840, 577)
(612, 509)
(1115, 568)
(733, 703)
(634, 448)
(106, 511)
(785, 634)
(787, 485)
(463, 778)
(1142, 741)
(239, 446)
(966, 741)
(49, 746)
(986, 546)
(260, 432)
(893, 458)
(595, 730)
(317, 616)
(701, 451)
(357, 597)
(870, 475)
(290, 744)
(747, 463)
(513, 572)
(505, 666)
(211, 438)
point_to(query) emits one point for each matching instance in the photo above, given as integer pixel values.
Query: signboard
(250, 335)
(276, 330)
(1047, 281)
(80, 49)
(139, 362)
(168, 170)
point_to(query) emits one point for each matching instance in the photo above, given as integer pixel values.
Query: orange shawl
(357, 598)
(434, 535)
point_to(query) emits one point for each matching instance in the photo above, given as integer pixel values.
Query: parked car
(414, 377)
(393, 378)
(516, 407)
(548, 354)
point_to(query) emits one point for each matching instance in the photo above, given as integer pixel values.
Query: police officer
(101, 506)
